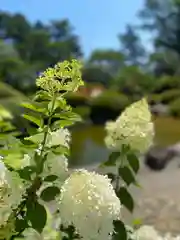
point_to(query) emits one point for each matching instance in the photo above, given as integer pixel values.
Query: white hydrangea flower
(147, 233)
(8, 229)
(88, 202)
(11, 192)
(60, 137)
(133, 128)
(56, 165)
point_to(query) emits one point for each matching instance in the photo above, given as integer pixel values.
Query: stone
(157, 158)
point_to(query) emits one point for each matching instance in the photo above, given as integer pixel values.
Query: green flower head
(65, 76)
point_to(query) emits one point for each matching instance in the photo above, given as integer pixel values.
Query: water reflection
(91, 153)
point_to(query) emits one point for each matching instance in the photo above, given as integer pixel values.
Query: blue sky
(97, 22)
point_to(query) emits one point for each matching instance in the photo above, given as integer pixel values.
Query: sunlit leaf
(37, 120)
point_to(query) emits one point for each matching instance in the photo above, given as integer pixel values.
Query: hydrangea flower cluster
(56, 165)
(133, 128)
(11, 193)
(147, 232)
(60, 137)
(88, 201)
(63, 76)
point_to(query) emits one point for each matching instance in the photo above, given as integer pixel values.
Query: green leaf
(68, 115)
(37, 138)
(27, 172)
(126, 199)
(42, 95)
(50, 178)
(21, 224)
(34, 107)
(63, 123)
(37, 120)
(126, 174)
(112, 159)
(133, 162)
(120, 231)
(61, 150)
(14, 160)
(49, 193)
(37, 215)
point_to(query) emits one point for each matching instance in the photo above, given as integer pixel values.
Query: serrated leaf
(133, 162)
(112, 159)
(37, 215)
(37, 120)
(49, 193)
(126, 174)
(126, 198)
(120, 231)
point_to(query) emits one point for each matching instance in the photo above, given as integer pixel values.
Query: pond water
(88, 140)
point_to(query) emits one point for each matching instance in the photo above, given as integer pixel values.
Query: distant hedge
(174, 108)
(110, 99)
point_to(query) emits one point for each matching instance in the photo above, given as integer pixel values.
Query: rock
(160, 109)
(157, 157)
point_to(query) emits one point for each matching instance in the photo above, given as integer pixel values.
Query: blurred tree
(131, 46)
(133, 82)
(162, 19)
(109, 60)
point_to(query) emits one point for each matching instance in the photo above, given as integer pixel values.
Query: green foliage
(83, 111)
(108, 99)
(174, 108)
(126, 198)
(169, 96)
(166, 83)
(49, 193)
(154, 99)
(36, 214)
(76, 99)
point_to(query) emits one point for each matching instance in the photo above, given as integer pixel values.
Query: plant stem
(48, 125)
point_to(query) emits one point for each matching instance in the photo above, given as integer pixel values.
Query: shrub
(76, 99)
(110, 99)
(174, 108)
(166, 83)
(154, 99)
(170, 95)
(83, 111)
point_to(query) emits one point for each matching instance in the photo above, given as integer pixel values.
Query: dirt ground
(158, 201)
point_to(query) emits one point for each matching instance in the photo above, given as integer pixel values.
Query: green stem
(48, 126)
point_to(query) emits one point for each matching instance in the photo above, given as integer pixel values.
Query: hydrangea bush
(34, 173)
